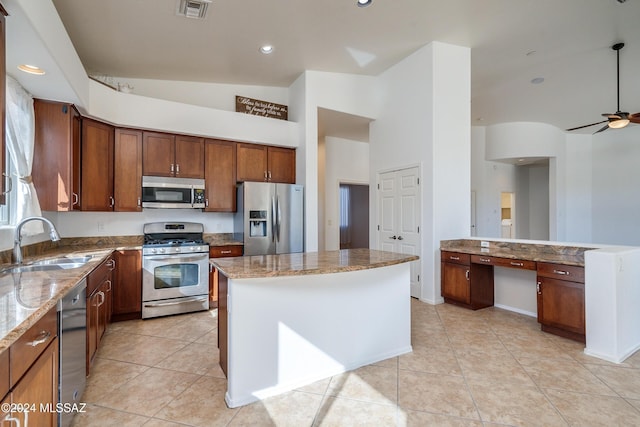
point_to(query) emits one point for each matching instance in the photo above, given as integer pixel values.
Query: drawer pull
(12, 420)
(485, 259)
(538, 288)
(561, 272)
(466, 274)
(225, 252)
(41, 339)
(517, 264)
(455, 258)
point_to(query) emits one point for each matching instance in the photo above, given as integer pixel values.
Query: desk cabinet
(219, 252)
(466, 284)
(560, 292)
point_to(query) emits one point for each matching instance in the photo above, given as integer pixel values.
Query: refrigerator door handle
(274, 225)
(279, 218)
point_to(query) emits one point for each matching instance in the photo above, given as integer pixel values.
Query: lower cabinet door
(561, 304)
(39, 389)
(455, 282)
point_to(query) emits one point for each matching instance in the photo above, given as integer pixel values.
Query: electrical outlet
(100, 226)
(484, 244)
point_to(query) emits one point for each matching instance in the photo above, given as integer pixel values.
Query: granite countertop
(257, 266)
(553, 253)
(26, 297)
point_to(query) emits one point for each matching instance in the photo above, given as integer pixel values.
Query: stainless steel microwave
(172, 193)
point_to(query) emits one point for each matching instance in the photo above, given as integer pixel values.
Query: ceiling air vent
(193, 8)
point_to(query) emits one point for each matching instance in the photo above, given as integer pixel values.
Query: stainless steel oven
(175, 269)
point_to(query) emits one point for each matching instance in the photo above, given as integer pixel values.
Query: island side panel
(223, 284)
(286, 332)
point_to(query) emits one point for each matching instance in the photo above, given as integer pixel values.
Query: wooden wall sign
(261, 108)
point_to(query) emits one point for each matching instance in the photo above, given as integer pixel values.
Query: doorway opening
(354, 216)
(507, 215)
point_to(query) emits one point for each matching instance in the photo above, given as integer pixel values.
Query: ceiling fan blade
(592, 124)
(634, 118)
(603, 128)
(611, 115)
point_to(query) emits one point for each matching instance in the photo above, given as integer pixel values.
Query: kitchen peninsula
(289, 320)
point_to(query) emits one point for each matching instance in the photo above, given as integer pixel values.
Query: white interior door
(399, 217)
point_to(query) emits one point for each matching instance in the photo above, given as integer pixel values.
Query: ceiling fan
(619, 119)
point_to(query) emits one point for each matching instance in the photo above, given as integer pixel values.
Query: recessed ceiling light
(31, 69)
(364, 3)
(537, 80)
(266, 49)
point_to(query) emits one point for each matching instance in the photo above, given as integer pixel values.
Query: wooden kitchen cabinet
(96, 183)
(3, 74)
(56, 155)
(33, 372)
(265, 163)
(127, 170)
(220, 175)
(171, 155)
(465, 284)
(560, 293)
(219, 252)
(127, 285)
(99, 305)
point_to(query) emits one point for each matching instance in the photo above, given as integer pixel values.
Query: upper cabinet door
(189, 157)
(127, 170)
(282, 165)
(97, 166)
(252, 162)
(158, 153)
(220, 176)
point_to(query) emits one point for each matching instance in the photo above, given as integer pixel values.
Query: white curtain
(20, 126)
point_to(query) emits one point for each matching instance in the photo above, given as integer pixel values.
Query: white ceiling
(571, 40)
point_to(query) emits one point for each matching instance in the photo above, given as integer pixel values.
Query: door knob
(400, 238)
(393, 237)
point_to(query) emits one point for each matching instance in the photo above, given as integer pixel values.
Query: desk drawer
(225, 251)
(455, 257)
(504, 262)
(4, 373)
(31, 344)
(572, 273)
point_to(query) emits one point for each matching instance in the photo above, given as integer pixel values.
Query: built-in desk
(467, 279)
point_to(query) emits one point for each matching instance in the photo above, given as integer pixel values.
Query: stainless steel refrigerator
(270, 218)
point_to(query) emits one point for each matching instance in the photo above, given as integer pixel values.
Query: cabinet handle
(485, 259)
(265, 175)
(102, 298)
(466, 274)
(538, 288)
(269, 175)
(109, 288)
(561, 272)
(225, 252)
(111, 264)
(112, 201)
(171, 168)
(393, 237)
(41, 339)
(10, 184)
(206, 203)
(517, 264)
(177, 169)
(74, 199)
(139, 202)
(400, 238)
(12, 420)
(455, 258)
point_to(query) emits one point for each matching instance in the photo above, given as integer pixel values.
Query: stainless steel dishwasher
(72, 333)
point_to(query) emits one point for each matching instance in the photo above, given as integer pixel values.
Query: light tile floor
(484, 368)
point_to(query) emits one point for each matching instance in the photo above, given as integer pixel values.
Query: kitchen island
(289, 320)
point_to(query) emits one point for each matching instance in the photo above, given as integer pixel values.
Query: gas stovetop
(173, 237)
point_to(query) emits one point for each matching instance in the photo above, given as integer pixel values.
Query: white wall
(424, 121)
(347, 161)
(576, 192)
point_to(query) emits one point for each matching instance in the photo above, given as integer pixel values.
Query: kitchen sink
(51, 264)
(81, 260)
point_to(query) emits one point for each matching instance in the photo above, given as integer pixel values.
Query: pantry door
(399, 217)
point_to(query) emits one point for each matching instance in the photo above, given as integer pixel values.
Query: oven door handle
(183, 301)
(180, 257)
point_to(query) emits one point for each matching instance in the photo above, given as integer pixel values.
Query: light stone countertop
(305, 263)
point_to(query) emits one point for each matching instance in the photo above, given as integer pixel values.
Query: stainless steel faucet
(17, 239)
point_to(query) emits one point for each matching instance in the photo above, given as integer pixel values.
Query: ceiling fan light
(619, 124)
